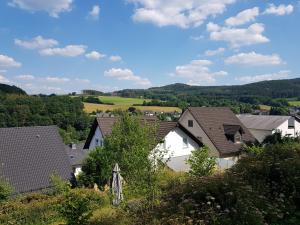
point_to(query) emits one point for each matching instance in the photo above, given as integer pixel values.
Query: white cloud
(94, 55)
(57, 79)
(270, 76)
(36, 43)
(184, 14)
(214, 52)
(198, 73)
(25, 77)
(52, 7)
(197, 38)
(279, 10)
(3, 80)
(6, 61)
(68, 51)
(238, 37)
(115, 58)
(95, 12)
(243, 17)
(255, 59)
(127, 74)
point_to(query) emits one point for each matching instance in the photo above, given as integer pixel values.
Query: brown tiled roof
(214, 121)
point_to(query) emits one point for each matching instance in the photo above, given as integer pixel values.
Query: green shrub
(76, 207)
(5, 190)
(201, 164)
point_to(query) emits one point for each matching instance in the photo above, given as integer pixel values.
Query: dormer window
(233, 133)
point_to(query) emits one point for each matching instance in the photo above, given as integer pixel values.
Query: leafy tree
(131, 145)
(201, 163)
(97, 168)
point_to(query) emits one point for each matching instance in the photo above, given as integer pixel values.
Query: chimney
(73, 146)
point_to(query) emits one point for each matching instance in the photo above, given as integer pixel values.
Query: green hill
(273, 89)
(7, 89)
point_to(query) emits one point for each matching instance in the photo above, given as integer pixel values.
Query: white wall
(77, 170)
(197, 131)
(97, 135)
(174, 145)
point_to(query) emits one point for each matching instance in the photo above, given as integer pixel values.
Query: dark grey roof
(76, 156)
(30, 155)
(260, 122)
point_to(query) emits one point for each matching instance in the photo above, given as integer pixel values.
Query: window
(190, 123)
(101, 142)
(185, 142)
(96, 142)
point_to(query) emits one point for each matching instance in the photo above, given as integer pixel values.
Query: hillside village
(149, 112)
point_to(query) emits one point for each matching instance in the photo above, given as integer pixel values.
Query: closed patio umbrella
(116, 185)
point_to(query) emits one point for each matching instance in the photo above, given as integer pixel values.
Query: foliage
(5, 190)
(64, 111)
(76, 208)
(260, 189)
(59, 186)
(282, 111)
(97, 168)
(135, 153)
(91, 99)
(277, 138)
(201, 164)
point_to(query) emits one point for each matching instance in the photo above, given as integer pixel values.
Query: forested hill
(272, 89)
(7, 89)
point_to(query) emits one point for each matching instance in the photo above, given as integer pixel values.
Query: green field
(294, 103)
(264, 107)
(117, 100)
(124, 104)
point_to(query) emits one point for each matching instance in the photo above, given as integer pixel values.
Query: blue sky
(61, 46)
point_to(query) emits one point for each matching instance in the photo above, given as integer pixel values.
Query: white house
(220, 130)
(177, 142)
(262, 126)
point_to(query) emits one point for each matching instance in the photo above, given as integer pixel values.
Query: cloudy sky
(60, 46)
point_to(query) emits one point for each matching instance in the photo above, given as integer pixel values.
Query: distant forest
(273, 93)
(19, 109)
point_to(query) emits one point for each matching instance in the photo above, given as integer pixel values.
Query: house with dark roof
(30, 155)
(76, 154)
(176, 140)
(220, 130)
(262, 126)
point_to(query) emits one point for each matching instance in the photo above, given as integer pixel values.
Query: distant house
(177, 141)
(220, 130)
(262, 126)
(76, 155)
(30, 155)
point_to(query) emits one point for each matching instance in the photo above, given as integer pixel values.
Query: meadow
(90, 107)
(294, 103)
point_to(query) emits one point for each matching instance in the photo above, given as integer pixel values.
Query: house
(177, 142)
(220, 130)
(76, 155)
(30, 155)
(262, 126)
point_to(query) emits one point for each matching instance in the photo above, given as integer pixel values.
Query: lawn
(90, 107)
(117, 100)
(264, 107)
(294, 103)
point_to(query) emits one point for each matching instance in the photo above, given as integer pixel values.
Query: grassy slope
(124, 104)
(90, 107)
(294, 103)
